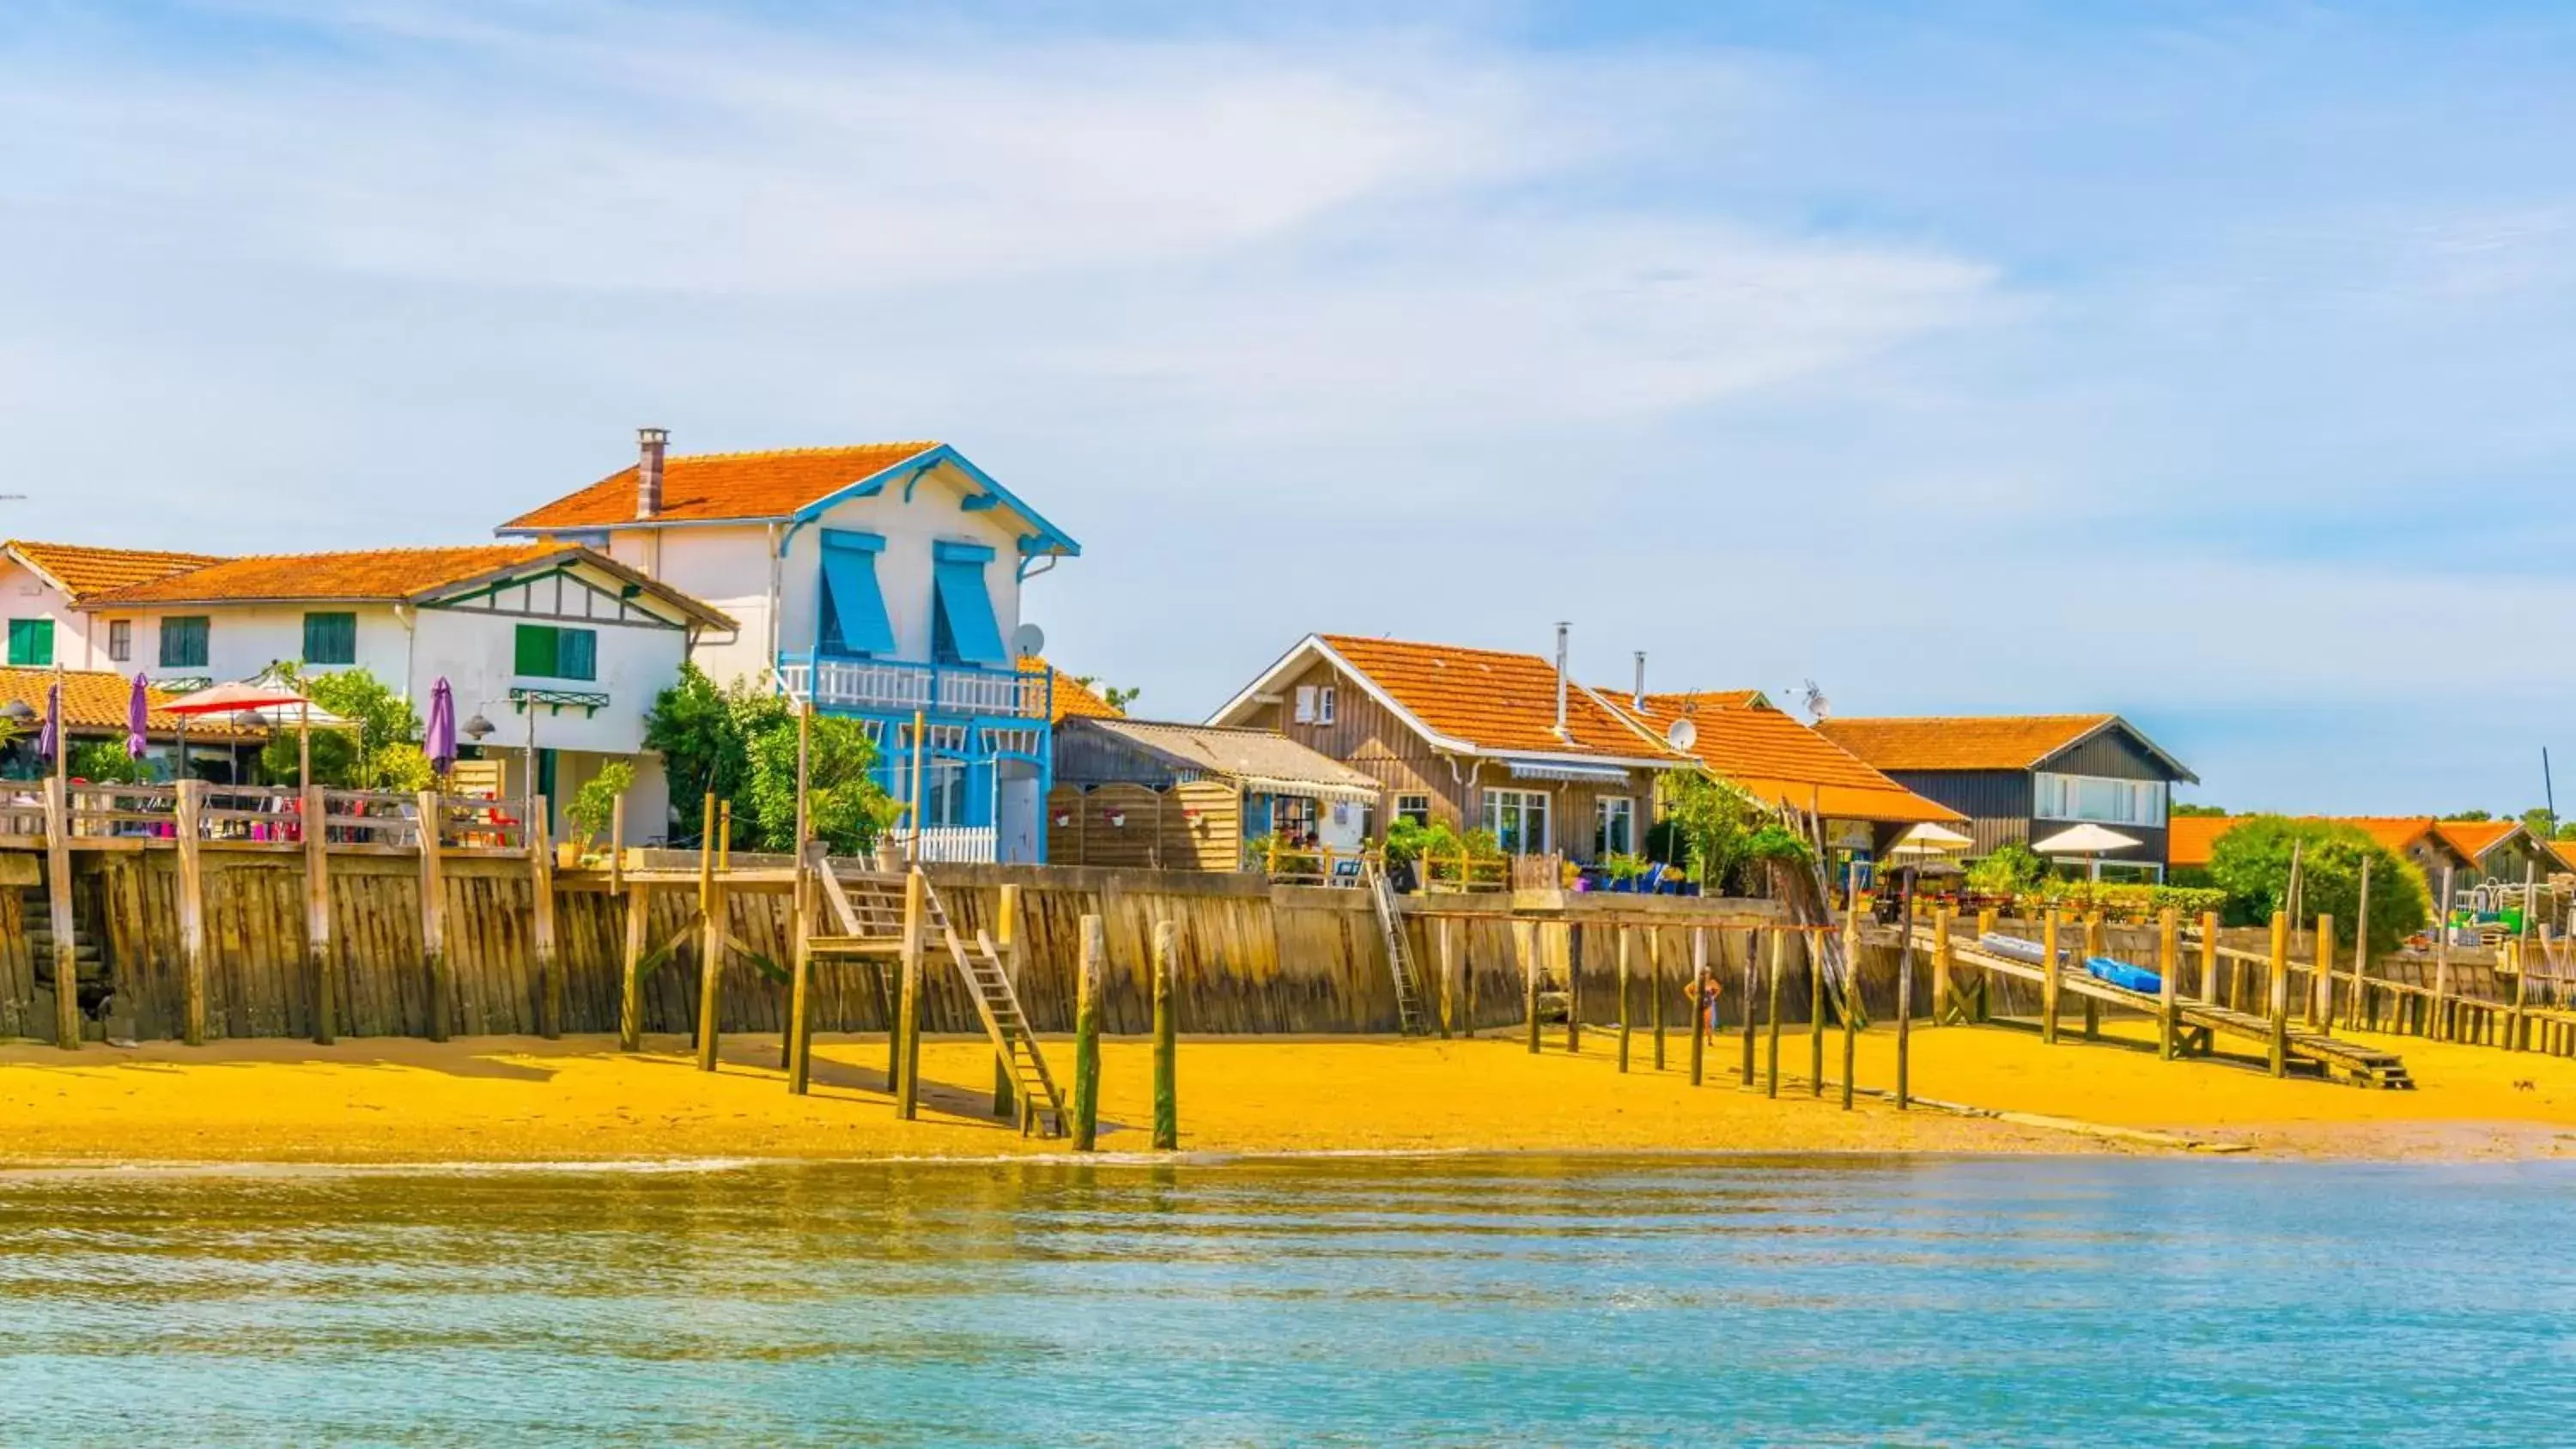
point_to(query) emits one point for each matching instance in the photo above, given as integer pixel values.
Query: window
(548, 652)
(1324, 705)
(120, 639)
(1416, 808)
(854, 611)
(1518, 819)
(31, 643)
(330, 638)
(1614, 826)
(1305, 704)
(963, 627)
(2091, 797)
(183, 642)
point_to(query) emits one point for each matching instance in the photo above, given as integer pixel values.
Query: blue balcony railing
(888, 685)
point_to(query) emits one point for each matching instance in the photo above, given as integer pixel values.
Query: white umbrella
(1928, 839)
(2085, 840)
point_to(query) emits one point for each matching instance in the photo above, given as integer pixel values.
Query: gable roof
(1775, 758)
(1980, 742)
(2190, 839)
(2477, 839)
(81, 571)
(1470, 701)
(1255, 757)
(779, 485)
(378, 576)
(1072, 699)
(95, 702)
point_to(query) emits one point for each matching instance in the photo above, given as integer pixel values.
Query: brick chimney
(649, 443)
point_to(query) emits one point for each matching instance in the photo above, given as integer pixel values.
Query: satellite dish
(1682, 735)
(1028, 641)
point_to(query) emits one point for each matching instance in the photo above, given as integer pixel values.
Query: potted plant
(593, 807)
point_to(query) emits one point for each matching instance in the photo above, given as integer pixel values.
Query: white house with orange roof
(560, 649)
(41, 583)
(882, 580)
(1478, 738)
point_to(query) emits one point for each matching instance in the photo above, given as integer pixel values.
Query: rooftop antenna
(1818, 707)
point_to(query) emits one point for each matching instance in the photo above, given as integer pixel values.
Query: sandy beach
(518, 1099)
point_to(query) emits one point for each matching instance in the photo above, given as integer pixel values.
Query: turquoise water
(1345, 1301)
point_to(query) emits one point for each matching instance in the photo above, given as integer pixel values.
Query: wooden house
(2501, 850)
(1478, 738)
(2026, 777)
(1196, 797)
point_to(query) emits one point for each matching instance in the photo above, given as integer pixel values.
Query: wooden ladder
(1390, 934)
(999, 1005)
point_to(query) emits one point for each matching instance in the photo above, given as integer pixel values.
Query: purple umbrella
(49, 742)
(441, 744)
(138, 715)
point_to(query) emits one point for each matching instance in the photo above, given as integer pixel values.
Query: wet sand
(517, 1099)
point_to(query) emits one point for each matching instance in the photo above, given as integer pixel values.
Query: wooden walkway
(2197, 1022)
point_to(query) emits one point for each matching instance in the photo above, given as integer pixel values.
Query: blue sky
(2204, 363)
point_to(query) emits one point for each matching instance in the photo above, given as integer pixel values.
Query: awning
(965, 608)
(1570, 773)
(854, 611)
(1313, 789)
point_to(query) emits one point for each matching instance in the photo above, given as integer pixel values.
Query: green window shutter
(577, 654)
(536, 651)
(183, 642)
(330, 638)
(31, 643)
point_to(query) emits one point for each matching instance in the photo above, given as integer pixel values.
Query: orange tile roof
(83, 571)
(2474, 838)
(95, 702)
(1776, 758)
(384, 574)
(1973, 742)
(713, 487)
(1073, 699)
(2190, 840)
(1498, 702)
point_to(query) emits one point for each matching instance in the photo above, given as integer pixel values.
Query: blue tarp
(853, 607)
(967, 610)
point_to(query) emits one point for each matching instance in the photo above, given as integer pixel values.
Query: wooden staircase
(1399, 959)
(870, 910)
(89, 968)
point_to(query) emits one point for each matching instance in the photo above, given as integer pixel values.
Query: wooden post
(1986, 921)
(2280, 999)
(1940, 964)
(1771, 1015)
(1445, 937)
(317, 914)
(1815, 951)
(617, 846)
(1573, 988)
(541, 920)
(1905, 1008)
(1526, 932)
(2513, 1026)
(192, 912)
(1622, 935)
(2209, 957)
(1006, 945)
(1851, 995)
(2049, 978)
(1167, 1110)
(630, 976)
(2168, 965)
(711, 938)
(58, 895)
(1700, 984)
(2097, 942)
(1655, 991)
(2321, 983)
(2361, 954)
(433, 915)
(1086, 1037)
(794, 1037)
(1752, 964)
(907, 1033)
(2436, 1020)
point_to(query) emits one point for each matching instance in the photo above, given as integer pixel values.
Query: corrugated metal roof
(1237, 754)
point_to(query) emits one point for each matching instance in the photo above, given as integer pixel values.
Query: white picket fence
(952, 844)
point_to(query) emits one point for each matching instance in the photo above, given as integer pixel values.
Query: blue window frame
(965, 630)
(854, 613)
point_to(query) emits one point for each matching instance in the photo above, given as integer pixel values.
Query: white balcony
(897, 688)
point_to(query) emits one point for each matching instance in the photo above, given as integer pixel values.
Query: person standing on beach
(1716, 988)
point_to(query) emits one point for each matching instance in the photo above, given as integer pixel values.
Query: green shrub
(594, 805)
(105, 762)
(2008, 869)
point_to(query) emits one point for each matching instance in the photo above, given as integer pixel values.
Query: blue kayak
(2124, 975)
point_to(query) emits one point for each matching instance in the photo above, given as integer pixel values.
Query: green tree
(2541, 821)
(2466, 816)
(739, 744)
(105, 762)
(2008, 869)
(2188, 811)
(2251, 862)
(1714, 822)
(377, 750)
(697, 730)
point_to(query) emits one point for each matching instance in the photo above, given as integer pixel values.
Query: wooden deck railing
(102, 816)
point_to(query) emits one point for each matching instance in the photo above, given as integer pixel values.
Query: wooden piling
(1655, 992)
(711, 939)
(2321, 978)
(2280, 998)
(2168, 966)
(1771, 1014)
(1752, 964)
(1086, 1037)
(630, 975)
(2361, 954)
(541, 920)
(1006, 946)
(2522, 957)
(1851, 998)
(1527, 934)
(916, 911)
(1623, 936)
(192, 912)
(2049, 974)
(2209, 957)
(1701, 981)
(2437, 1020)
(58, 900)
(1445, 932)
(2097, 942)
(1815, 952)
(317, 915)
(1905, 1009)
(1167, 1110)
(1573, 987)
(1940, 965)
(433, 916)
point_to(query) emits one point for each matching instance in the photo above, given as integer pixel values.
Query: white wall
(24, 595)
(725, 566)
